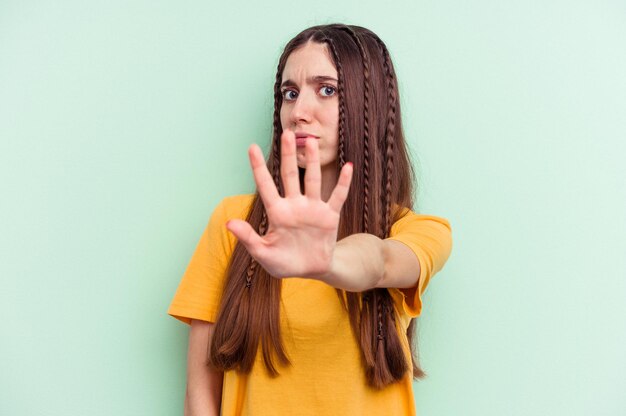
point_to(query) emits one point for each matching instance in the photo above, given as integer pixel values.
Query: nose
(301, 110)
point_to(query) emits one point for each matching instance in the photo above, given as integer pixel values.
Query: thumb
(246, 234)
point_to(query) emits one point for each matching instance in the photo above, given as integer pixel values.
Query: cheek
(333, 122)
(333, 118)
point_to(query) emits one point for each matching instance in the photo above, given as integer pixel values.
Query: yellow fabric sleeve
(200, 291)
(430, 238)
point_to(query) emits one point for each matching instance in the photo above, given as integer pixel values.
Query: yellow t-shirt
(326, 376)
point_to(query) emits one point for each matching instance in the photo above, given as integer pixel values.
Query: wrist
(331, 276)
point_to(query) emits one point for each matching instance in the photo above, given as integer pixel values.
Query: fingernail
(349, 163)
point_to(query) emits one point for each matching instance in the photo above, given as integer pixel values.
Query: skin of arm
(204, 385)
(363, 261)
(301, 239)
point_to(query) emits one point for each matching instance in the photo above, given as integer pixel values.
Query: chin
(324, 162)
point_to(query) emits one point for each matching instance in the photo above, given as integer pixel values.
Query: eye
(286, 95)
(326, 88)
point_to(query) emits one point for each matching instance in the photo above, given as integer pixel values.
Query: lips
(304, 135)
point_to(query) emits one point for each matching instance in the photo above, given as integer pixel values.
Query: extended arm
(301, 240)
(363, 261)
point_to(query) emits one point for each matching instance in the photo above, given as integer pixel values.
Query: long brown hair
(371, 137)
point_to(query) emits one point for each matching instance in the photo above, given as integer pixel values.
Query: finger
(246, 234)
(340, 193)
(312, 174)
(264, 182)
(289, 164)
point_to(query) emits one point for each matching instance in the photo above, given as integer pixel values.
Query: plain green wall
(122, 124)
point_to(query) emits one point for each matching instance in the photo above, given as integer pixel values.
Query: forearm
(204, 384)
(204, 399)
(358, 263)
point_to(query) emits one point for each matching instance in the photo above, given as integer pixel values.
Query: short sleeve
(430, 238)
(200, 290)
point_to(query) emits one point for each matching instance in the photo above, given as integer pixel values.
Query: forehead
(312, 59)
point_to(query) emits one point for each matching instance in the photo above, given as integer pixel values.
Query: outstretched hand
(302, 231)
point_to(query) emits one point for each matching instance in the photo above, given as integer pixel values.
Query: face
(310, 100)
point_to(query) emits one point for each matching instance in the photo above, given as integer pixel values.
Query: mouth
(301, 138)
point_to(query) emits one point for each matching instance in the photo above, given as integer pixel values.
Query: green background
(122, 124)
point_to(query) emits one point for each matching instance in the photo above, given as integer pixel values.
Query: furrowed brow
(312, 80)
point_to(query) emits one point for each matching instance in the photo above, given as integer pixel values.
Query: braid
(277, 128)
(390, 134)
(366, 126)
(253, 263)
(342, 105)
(366, 156)
(381, 335)
(250, 272)
(276, 157)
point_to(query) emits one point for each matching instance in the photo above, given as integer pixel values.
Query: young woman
(301, 297)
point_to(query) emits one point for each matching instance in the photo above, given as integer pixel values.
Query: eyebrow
(311, 80)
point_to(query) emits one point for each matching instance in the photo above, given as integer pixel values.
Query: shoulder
(235, 206)
(407, 219)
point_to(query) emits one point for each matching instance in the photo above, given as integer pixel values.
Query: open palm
(302, 231)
